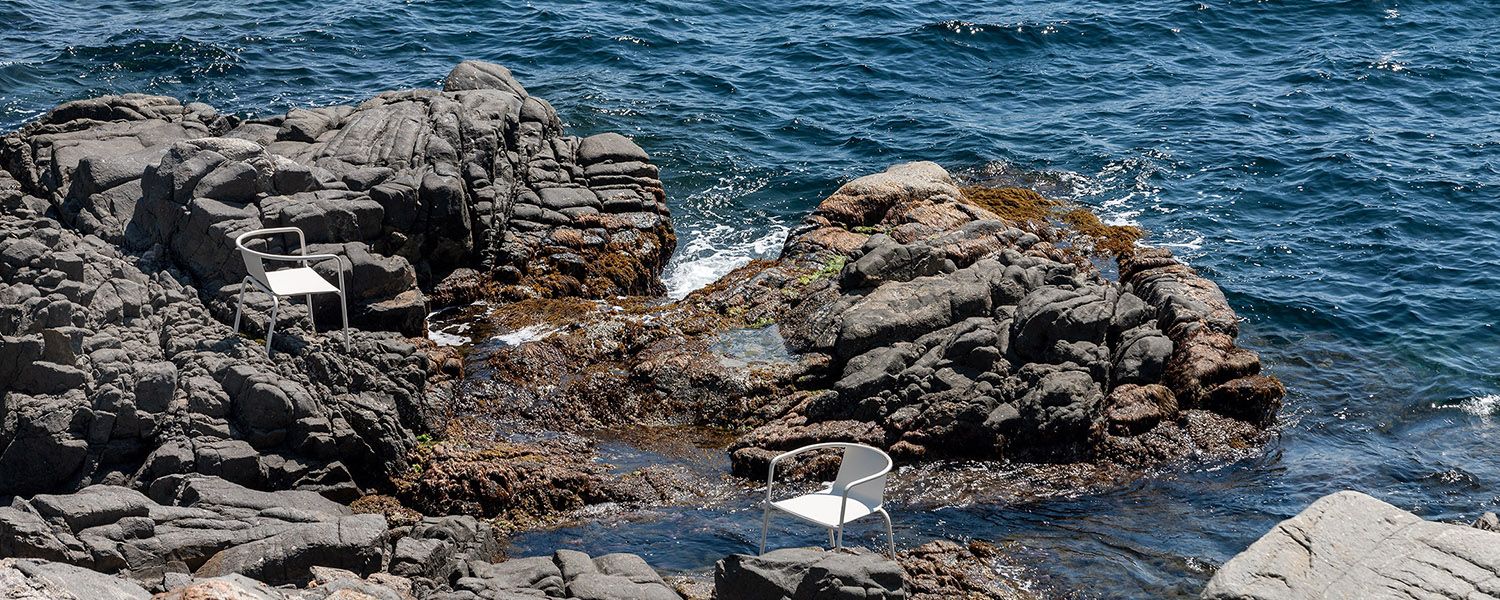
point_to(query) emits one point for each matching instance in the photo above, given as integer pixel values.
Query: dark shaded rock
(354, 543)
(92, 506)
(1140, 356)
(808, 573)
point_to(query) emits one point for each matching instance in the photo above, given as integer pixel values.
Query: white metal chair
(856, 492)
(295, 281)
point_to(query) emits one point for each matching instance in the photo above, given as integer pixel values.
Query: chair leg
(344, 307)
(765, 524)
(840, 543)
(244, 287)
(830, 538)
(271, 327)
(890, 533)
(310, 322)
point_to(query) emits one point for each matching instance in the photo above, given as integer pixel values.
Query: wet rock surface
(1350, 545)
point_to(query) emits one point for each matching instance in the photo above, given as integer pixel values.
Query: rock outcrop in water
(143, 437)
(411, 186)
(923, 322)
(120, 270)
(1350, 545)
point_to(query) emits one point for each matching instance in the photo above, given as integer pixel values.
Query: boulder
(1350, 545)
(568, 574)
(807, 574)
(92, 506)
(28, 579)
(354, 543)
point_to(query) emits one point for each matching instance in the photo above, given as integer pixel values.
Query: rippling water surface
(1333, 165)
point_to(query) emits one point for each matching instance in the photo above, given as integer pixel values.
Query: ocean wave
(1479, 406)
(714, 251)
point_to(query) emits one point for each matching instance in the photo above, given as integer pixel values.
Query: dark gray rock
(611, 147)
(476, 75)
(354, 543)
(42, 580)
(1059, 404)
(24, 534)
(1140, 356)
(92, 506)
(808, 573)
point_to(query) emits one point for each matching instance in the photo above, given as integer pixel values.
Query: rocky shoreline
(145, 439)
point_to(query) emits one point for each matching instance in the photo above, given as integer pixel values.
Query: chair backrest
(862, 461)
(254, 265)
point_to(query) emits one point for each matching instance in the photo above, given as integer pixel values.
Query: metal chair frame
(836, 532)
(256, 276)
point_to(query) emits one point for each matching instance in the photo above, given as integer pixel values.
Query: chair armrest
(301, 238)
(283, 257)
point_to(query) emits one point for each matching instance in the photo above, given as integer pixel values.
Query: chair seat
(298, 281)
(822, 508)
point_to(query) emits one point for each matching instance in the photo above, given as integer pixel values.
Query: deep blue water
(1333, 165)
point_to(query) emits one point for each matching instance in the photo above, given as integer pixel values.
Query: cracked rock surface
(1350, 545)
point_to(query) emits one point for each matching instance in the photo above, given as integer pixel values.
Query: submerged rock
(1350, 545)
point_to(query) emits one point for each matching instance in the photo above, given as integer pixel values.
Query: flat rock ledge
(199, 537)
(203, 537)
(1350, 545)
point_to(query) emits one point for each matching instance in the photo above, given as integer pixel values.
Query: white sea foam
(529, 333)
(443, 338)
(712, 252)
(1481, 406)
(449, 335)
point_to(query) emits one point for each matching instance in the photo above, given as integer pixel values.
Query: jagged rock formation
(949, 331)
(113, 370)
(925, 323)
(411, 186)
(1350, 545)
(116, 251)
(148, 438)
